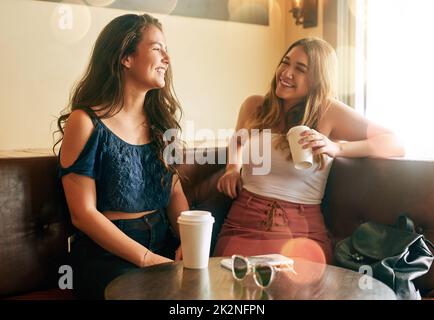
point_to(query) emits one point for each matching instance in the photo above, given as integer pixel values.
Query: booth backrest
(34, 225)
(35, 222)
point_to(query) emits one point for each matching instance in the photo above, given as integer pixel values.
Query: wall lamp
(305, 12)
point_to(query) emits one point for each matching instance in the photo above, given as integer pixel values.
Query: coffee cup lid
(195, 216)
(290, 131)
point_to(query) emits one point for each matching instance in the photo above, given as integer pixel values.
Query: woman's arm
(235, 159)
(352, 135)
(80, 195)
(177, 203)
(230, 182)
(81, 198)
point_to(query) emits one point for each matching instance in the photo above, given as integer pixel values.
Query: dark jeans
(94, 267)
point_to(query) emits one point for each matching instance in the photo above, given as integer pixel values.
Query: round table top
(171, 281)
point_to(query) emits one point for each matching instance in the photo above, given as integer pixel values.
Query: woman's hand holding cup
(319, 143)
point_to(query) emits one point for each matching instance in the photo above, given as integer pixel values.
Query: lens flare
(309, 250)
(100, 3)
(248, 10)
(158, 6)
(304, 248)
(70, 23)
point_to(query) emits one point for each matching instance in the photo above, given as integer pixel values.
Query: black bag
(396, 254)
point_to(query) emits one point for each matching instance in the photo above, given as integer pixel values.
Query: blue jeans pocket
(158, 230)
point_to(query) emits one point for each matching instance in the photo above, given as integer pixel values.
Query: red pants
(258, 225)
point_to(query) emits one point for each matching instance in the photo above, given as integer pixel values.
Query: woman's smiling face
(147, 66)
(292, 80)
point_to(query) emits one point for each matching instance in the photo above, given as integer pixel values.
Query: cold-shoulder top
(128, 178)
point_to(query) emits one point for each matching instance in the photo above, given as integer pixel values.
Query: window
(395, 55)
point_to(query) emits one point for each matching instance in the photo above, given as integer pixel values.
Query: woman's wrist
(146, 256)
(233, 168)
(339, 149)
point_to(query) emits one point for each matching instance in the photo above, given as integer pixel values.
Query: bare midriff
(116, 215)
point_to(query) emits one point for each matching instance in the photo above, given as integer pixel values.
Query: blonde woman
(280, 212)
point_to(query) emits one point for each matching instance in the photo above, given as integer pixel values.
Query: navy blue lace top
(127, 177)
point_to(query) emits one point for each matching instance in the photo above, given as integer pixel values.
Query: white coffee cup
(302, 158)
(195, 228)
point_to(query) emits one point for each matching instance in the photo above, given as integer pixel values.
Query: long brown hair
(102, 82)
(322, 88)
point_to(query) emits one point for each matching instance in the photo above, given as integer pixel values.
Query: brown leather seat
(36, 223)
(379, 190)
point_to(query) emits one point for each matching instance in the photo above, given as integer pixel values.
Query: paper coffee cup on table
(195, 228)
(302, 158)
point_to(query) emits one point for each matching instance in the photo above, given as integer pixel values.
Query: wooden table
(313, 281)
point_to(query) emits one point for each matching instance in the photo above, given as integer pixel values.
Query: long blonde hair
(322, 62)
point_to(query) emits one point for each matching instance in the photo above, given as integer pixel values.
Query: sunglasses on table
(263, 272)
